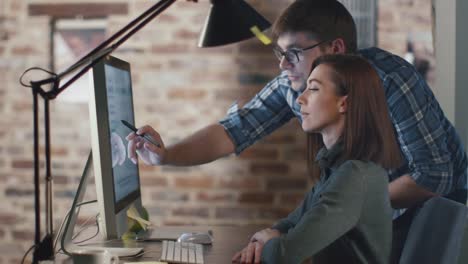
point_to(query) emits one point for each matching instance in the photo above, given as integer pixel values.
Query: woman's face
(322, 109)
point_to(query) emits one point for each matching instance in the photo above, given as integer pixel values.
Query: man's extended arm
(208, 144)
(205, 145)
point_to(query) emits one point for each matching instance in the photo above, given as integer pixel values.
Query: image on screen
(120, 106)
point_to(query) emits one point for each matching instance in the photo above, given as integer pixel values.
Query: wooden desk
(227, 241)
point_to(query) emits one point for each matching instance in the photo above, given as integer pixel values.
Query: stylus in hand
(145, 136)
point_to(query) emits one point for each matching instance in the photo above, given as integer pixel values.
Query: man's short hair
(322, 19)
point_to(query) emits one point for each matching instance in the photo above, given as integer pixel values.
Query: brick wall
(178, 88)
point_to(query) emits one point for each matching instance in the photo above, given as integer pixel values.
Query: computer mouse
(197, 238)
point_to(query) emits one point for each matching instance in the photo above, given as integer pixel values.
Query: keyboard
(181, 252)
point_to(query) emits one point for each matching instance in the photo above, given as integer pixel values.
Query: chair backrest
(436, 233)
(463, 258)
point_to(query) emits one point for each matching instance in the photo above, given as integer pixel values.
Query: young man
(436, 162)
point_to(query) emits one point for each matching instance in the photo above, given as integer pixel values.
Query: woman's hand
(265, 235)
(252, 253)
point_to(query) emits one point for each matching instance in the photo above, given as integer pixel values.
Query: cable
(31, 69)
(93, 236)
(26, 254)
(65, 219)
(83, 226)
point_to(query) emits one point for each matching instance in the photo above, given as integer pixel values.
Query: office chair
(438, 234)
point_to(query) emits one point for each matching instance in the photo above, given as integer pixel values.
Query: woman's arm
(335, 213)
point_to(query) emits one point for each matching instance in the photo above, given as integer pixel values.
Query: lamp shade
(230, 21)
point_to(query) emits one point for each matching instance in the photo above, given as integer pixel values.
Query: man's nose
(285, 64)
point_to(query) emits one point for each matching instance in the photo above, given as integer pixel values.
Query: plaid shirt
(435, 157)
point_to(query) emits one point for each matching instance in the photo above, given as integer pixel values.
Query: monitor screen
(120, 106)
(116, 176)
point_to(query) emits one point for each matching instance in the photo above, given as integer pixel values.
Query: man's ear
(338, 46)
(343, 104)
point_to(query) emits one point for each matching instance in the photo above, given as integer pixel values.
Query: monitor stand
(76, 251)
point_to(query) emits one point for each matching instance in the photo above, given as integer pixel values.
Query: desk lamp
(229, 21)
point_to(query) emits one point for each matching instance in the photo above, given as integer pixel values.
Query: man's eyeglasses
(292, 55)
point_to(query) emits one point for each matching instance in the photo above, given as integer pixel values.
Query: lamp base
(45, 249)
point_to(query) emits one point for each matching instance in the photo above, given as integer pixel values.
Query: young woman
(346, 217)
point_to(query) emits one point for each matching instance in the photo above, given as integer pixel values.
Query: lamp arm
(43, 250)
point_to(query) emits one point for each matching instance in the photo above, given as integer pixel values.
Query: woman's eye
(313, 88)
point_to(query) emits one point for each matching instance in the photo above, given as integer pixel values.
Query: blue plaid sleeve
(422, 129)
(264, 113)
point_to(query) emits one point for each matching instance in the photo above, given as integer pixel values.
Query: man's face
(298, 72)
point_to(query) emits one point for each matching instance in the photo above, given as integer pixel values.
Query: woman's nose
(300, 99)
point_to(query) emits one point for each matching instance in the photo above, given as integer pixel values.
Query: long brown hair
(368, 132)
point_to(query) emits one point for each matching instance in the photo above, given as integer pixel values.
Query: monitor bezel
(113, 215)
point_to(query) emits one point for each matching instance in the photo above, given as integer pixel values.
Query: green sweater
(345, 218)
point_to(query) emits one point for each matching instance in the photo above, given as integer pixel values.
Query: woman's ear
(338, 46)
(343, 104)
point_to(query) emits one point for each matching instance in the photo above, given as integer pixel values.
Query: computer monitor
(116, 177)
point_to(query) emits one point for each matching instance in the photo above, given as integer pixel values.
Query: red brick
(256, 197)
(184, 35)
(222, 50)
(12, 249)
(269, 168)
(193, 182)
(191, 212)
(235, 213)
(22, 106)
(286, 184)
(8, 219)
(259, 153)
(78, 9)
(280, 138)
(215, 197)
(169, 48)
(60, 179)
(291, 198)
(296, 153)
(167, 18)
(187, 94)
(239, 183)
(224, 75)
(170, 195)
(153, 181)
(23, 50)
(55, 151)
(177, 64)
(22, 164)
(20, 191)
(23, 235)
(273, 213)
(14, 260)
(186, 122)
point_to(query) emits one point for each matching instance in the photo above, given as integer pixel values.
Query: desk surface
(227, 241)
